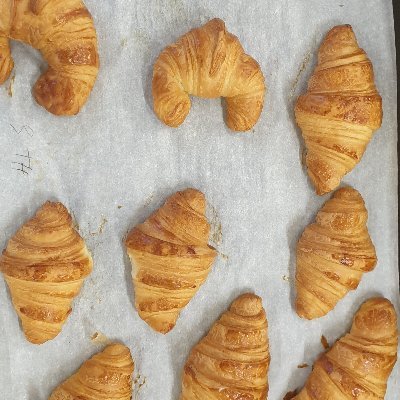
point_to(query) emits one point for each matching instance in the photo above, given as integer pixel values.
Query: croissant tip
(247, 305)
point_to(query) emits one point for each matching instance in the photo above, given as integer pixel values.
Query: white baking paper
(115, 163)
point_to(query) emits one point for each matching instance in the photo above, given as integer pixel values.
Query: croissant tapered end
(332, 254)
(208, 62)
(340, 110)
(107, 375)
(359, 364)
(44, 265)
(67, 41)
(232, 361)
(170, 258)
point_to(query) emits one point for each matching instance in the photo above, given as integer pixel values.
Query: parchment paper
(115, 163)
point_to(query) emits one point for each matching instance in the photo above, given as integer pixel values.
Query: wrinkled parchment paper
(115, 163)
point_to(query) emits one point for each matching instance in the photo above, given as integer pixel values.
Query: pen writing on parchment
(26, 129)
(24, 163)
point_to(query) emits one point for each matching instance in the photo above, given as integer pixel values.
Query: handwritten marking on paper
(24, 129)
(24, 163)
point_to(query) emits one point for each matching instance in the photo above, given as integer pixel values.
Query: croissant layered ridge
(359, 364)
(105, 376)
(63, 31)
(332, 254)
(232, 361)
(170, 258)
(208, 62)
(44, 265)
(340, 111)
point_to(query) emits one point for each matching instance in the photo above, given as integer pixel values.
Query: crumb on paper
(119, 207)
(286, 278)
(223, 256)
(304, 365)
(98, 337)
(290, 395)
(303, 66)
(216, 227)
(10, 86)
(101, 227)
(324, 342)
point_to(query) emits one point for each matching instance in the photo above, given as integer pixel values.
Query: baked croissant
(208, 62)
(170, 258)
(359, 364)
(332, 254)
(44, 265)
(340, 110)
(106, 376)
(232, 361)
(64, 33)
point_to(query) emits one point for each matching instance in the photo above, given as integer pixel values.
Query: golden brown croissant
(232, 361)
(170, 258)
(208, 62)
(340, 111)
(44, 265)
(359, 364)
(332, 254)
(106, 376)
(63, 31)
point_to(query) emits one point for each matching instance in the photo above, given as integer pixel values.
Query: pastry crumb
(290, 395)
(223, 256)
(286, 278)
(98, 337)
(101, 227)
(10, 87)
(304, 365)
(324, 342)
(119, 207)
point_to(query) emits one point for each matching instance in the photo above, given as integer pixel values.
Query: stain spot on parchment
(138, 383)
(101, 227)
(302, 68)
(124, 42)
(216, 227)
(148, 201)
(119, 207)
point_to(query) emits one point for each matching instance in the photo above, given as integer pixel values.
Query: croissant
(232, 361)
(332, 254)
(170, 258)
(64, 33)
(106, 376)
(44, 265)
(359, 364)
(208, 62)
(340, 110)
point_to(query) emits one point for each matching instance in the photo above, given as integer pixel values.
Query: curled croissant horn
(208, 62)
(170, 258)
(359, 364)
(332, 254)
(232, 361)
(107, 375)
(64, 33)
(44, 265)
(340, 110)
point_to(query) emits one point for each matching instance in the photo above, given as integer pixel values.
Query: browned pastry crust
(208, 62)
(106, 376)
(232, 361)
(63, 31)
(332, 254)
(340, 110)
(44, 265)
(359, 364)
(170, 258)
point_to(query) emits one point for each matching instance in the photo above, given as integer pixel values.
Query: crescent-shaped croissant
(359, 364)
(232, 361)
(208, 62)
(44, 265)
(340, 110)
(170, 258)
(332, 254)
(105, 376)
(63, 31)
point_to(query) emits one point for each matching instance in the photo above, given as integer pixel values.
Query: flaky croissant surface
(170, 258)
(340, 110)
(208, 62)
(63, 31)
(106, 376)
(359, 364)
(332, 254)
(44, 265)
(232, 361)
